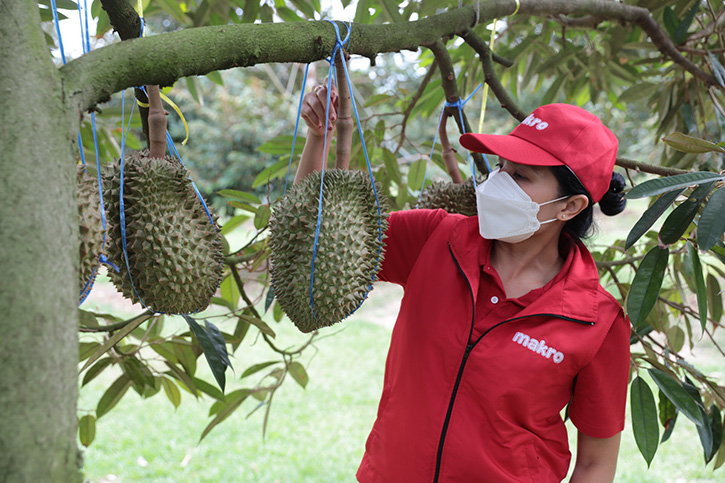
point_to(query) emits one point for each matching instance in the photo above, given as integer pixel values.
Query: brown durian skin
(350, 247)
(452, 197)
(175, 256)
(90, 229)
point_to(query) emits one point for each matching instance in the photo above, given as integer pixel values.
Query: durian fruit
(174, 250)
(452, 197)
(349, 252)
(90, 224)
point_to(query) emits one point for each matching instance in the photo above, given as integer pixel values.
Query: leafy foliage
(667, 277)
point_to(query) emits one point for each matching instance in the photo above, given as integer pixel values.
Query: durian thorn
(157, 124)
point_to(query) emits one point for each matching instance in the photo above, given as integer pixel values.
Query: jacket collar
(574, 296)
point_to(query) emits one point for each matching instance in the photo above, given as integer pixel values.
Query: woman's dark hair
(612, 203)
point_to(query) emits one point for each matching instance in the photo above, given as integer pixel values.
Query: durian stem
(448, 153)
(157, 124)
(344, 123)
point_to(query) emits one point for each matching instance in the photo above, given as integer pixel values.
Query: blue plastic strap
(459, 105)
(57, 31)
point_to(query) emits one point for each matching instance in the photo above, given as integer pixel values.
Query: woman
(504, 323)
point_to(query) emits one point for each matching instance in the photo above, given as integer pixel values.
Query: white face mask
(505, 211)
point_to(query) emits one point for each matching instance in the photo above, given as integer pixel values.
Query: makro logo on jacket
(538, 346)
(532, 121)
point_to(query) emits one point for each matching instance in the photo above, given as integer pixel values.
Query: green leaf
(172, 391)
(258, 323)
(192, 85)
(668, 415)
(96, 369)
(688, 144)
(416, 174)
(258, 367)
(712, 222)
(208, 389)
(717, 69)
(677, 395)
(288, 15)
(670, 21)
(115, 338)
(215, 353)
(650, 216)
(282, 145)
(714, 297)
(87, 429)
(391, 166)
(693, 259)
(261, 218)
(646, 285)
(230, 292)
(305, 8)
(298, 373)
(233, 223)
(233, 401)
(681, 217)
(251, 9)
(683, 27)
(87, 319)
(85, 349)
(215, 77)
(662, 185)
(277, 170)
(716, 431)
(112, 395)
(644, 419)
(240, 196)
(165, 350)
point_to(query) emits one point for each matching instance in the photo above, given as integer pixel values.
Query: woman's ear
(574, 205)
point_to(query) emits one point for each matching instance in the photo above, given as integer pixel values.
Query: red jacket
(475, 383)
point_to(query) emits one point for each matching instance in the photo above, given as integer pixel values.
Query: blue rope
(339, 44)
(122, 208)
(85, 40)
(459, 105)
(297, 123)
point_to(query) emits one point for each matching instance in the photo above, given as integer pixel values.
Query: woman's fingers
(313, 108)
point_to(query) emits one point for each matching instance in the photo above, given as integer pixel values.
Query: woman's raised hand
(313, 109)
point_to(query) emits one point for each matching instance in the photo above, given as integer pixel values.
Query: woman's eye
(518, 175)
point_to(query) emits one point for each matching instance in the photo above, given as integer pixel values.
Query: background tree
(613, 57)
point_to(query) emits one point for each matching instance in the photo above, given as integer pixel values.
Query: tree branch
(450, 88)
(648, 168)
(490, 77)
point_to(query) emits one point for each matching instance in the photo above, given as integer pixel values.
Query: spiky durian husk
(452, 197)
(349, 253)
(90, 227)
(174, 249)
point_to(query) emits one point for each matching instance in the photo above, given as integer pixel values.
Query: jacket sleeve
(407, 233)
(598, 406)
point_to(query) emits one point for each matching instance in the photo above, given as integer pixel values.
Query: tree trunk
(38, 257)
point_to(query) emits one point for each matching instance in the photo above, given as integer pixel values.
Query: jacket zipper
(469, 347)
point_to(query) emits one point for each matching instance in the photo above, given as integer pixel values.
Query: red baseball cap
(557, 135)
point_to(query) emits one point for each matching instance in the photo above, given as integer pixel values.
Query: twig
(648, 168)
(413, 101)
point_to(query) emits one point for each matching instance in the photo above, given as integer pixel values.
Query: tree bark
(38, 256)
